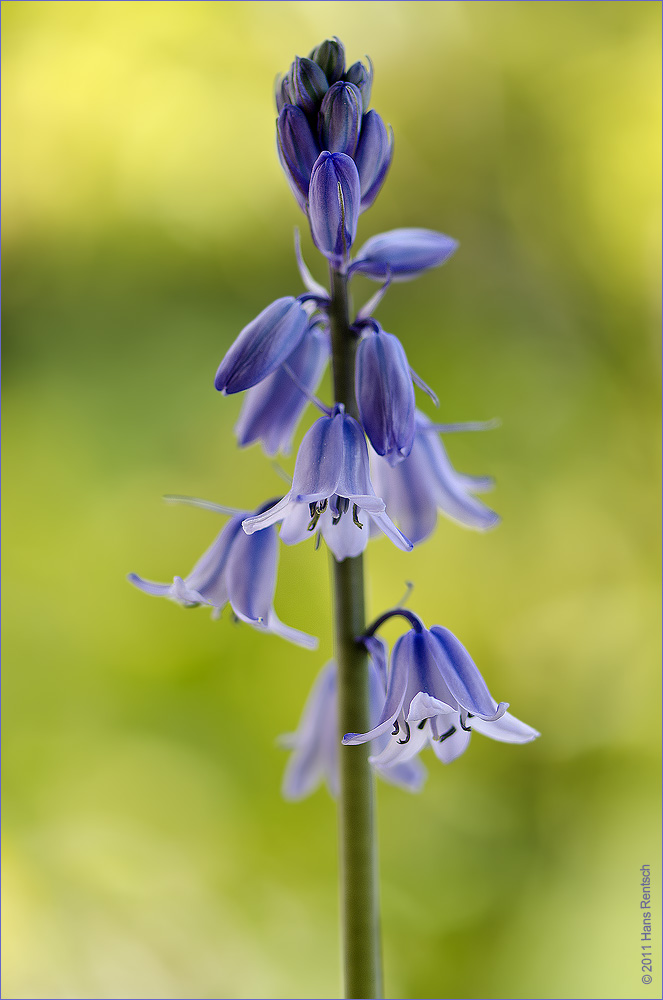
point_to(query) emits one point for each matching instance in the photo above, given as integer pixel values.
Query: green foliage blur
(147, 850)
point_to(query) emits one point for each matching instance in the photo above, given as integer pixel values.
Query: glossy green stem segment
(360, 915)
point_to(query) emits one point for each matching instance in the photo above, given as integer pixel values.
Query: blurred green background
(148, 852)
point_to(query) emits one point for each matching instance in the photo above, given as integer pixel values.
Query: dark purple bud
(262, 346)
(308, 85)
(282, 92)
(298, 150)
(373, 156)
(402, 254)
(363, 79)
(333, 199)
(339, 120)
(330, 57)
(385, 395)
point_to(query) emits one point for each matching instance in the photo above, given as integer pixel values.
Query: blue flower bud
(334, 197)
(402, 254)
(308, 85)
(282, 92)
(373, 156)
(362, 78)
(339, 120)
(330, 57)
(262, 346)
(298, 150)
(385, 395)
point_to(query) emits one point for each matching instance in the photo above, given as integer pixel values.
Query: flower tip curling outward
(262, 346)
(237, 570)
(434, 690)
(402, 254)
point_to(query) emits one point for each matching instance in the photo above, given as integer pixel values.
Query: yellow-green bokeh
(147, 850)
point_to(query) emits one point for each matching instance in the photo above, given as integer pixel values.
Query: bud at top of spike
(362, 78)
(339, 120)
(330, 57)
(308, 85)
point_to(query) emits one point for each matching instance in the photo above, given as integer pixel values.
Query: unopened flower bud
(308, 85)
(362, 78)
(339, 120)
(330, 57)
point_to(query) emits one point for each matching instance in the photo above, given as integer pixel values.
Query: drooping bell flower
(385, 394)
(425, 482)
(271, 410)
(316, 745)
(330, 479)
(334, 198)
(402, 254)
(262, 345)
(435, 692)
(373, 157)
(236, 569)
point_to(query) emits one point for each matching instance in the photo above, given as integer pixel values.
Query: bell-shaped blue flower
(425, 483)
(434, 690)
(339, 120)
(330, 478)
(334, 197)
(307, 85)
(385, 394)
(402, 254)
(298, 150)
(362, 79)
(330, 57)
(271, 410)
(373, 157)
(316, 744)
(236, 569)
(262, 345)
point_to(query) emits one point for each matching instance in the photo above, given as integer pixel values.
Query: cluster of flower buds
(386, 472)
(334, 151)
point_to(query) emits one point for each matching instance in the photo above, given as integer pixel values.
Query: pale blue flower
(330, 479)
(334, 198)
(238, 570)
(316, 744)
(434, 690)
(385, 394)
(402, 254)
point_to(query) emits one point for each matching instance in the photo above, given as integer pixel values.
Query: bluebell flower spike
(232, 571)
(402, 253)
(262, 345)
(385, 395)
(331, 489)
(334, 197)
(315, 746)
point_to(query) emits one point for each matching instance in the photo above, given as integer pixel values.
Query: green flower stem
(360, 917)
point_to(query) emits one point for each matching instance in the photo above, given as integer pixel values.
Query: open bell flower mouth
(236, 570)
(330, 479)
(434, 690)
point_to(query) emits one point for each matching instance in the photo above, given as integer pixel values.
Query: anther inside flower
(436, 695)
(331, 480)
